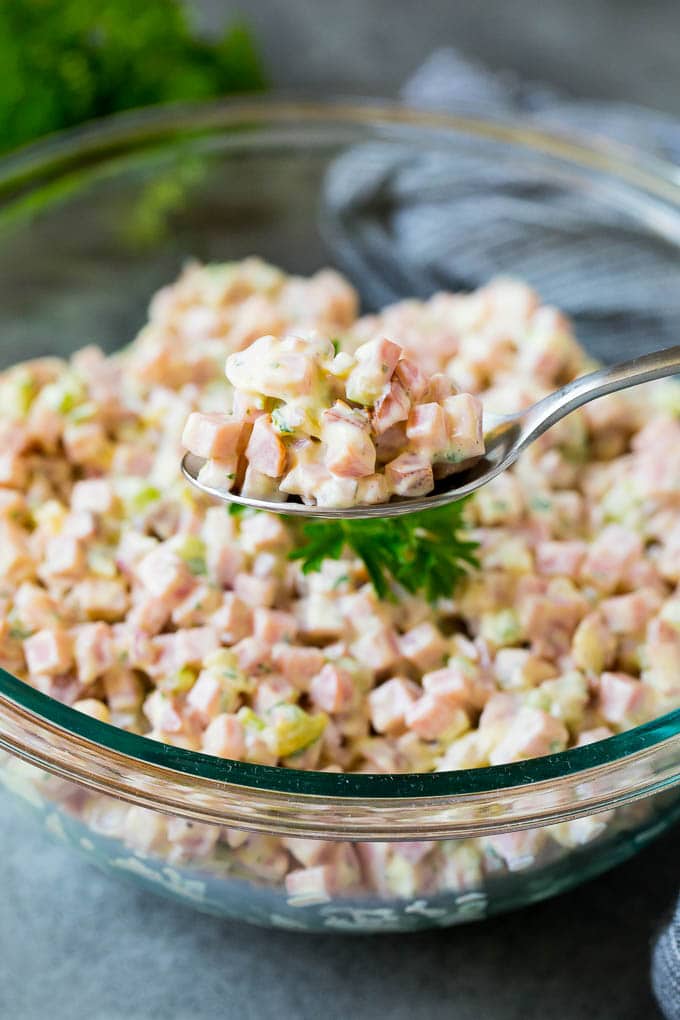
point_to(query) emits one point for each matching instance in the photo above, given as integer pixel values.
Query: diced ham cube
(214, 436)
(272, 626)
(591, 736)
(629, 614)
(164, 574)
(462, 686)
(463, 414)
(610, 556)
(310, 885)
(531, 734)
(332, 689)
(196, 607)
(232, 620)
(194, 644)
(411, 377)
(251, 654)
(376, 648)
(350, 453)
(219, 474)
(373, 489)
(34, 607)
(272, 690)
(49, 651)
(263, 532)
(392, 407)
(434, 714)
(81, 525)
(389, 703)
(94, 651)
(133, 547)
(297, 663)
(266, 451)
(621, 698)
(85, 443)
(225, 738)
(518, 669)
(95, 495)
(423, 645)
(662, 658)
(101, 599)
(16, 562)
(427, 429)
(149, 614)
(124, 691)
(439, 387)
(377, 360)
(560, 558)
(206, 696)
(64, 557)
(13, 470)
(255, 591)
(410, 474)
(224, 562)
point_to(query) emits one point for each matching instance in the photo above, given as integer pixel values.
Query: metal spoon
(505, 439)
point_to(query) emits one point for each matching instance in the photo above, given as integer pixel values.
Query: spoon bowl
(505, 438)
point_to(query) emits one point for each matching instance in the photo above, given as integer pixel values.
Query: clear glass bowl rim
(53, 736)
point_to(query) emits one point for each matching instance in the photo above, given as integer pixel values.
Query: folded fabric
(403, 222)
(666, 968)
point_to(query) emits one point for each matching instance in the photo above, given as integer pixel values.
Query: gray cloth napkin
(404, 223)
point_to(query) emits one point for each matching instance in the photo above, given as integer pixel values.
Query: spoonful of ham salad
(320, 432)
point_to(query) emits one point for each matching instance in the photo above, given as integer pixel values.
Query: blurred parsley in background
(66, 61)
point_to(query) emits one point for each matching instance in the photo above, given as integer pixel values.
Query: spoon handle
(609, 379)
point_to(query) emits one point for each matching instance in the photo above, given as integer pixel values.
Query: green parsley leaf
(425, 552)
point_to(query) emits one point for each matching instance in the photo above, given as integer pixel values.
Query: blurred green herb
(65, 61)
(427, 552)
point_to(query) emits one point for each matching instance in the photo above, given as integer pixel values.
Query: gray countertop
(77, 944)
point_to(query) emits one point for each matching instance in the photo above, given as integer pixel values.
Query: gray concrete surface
(78, 945)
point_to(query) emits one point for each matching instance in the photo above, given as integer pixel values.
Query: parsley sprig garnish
(427, 552)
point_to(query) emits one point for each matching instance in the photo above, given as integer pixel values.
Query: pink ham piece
(434, 714)
(297, 663)
(463, 413)
(560, 558)
(427, 429)
(94, 651)
(410, 474)
(377, 360)
(531, 734)
(214, 436)
(349, 450)
(392, 407)
(232, 620)
(49, 651)
(389, 703)
(265, 451)
(423, 645)
(95, 495)
(332, 689)
(621, 698)
(224, 737)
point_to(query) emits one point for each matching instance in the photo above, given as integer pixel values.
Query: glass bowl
(91, 223)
